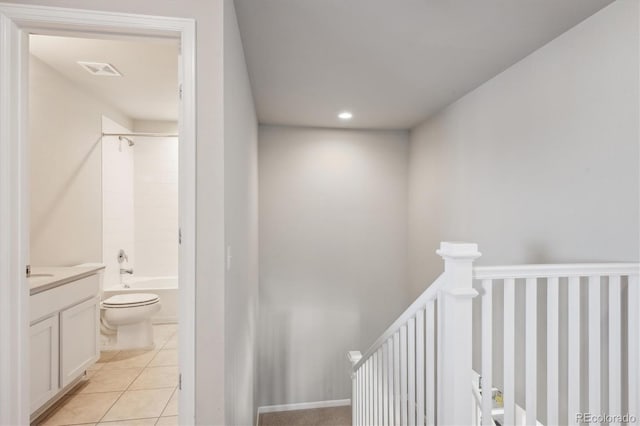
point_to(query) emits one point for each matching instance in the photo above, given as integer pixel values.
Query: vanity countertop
(45, 278)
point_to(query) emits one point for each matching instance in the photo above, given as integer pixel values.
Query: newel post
(354, 357)
(455, 334)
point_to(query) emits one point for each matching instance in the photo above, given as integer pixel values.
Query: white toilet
(125, 319)
(128, 315)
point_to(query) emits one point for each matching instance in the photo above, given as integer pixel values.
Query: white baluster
(420, 367)
(373, 390)
(573, 350)
(403, 375)
(397, 395)
(385, 384)
(379, 369)
(615, 346)
(354, 357)
(360, 422)
(354, 397)
(411, 371)
(431, 362)
(594, 345)
(487, 351)
(390, 378)
(376, 402)
(369, 388)
(509, 351)
(363, 395)
(634, 345)
(363, 370)
(531, 350)
(553, 351)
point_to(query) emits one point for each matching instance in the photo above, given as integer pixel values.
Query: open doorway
(104, 169)
(60, 233)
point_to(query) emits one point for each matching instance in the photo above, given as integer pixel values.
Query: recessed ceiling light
(100, 68)
(345, 115)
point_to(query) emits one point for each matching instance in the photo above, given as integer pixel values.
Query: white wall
(241, 229)
(538, 165)
(65, 126)
(118, 222)
(155, 185)
(140, 201)
(333, 254)
(210, 398)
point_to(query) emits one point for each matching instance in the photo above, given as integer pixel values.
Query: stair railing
(585, 308)
(418, 370)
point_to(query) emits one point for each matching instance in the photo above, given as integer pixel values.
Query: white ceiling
(148, 88)
(392, 63)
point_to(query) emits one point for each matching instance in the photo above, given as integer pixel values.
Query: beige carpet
(334, 416)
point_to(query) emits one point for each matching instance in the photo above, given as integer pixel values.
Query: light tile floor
(132, 388)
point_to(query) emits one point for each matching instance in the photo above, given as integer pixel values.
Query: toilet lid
(130, 299)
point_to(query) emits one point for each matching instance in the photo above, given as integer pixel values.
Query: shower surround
(140, 215)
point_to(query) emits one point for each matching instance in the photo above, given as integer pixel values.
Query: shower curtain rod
(149, 135)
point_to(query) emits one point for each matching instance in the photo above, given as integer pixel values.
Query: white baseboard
(303, 406)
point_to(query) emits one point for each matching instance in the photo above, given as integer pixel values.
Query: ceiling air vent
(99, 68)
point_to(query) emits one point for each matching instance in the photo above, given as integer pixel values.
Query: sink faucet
(126, 271)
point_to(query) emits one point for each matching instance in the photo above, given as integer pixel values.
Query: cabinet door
(79, 339)
(44, 361)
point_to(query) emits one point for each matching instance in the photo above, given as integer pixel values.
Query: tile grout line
(120, 396)
(127, 388)
(167, 404)
(176, 388)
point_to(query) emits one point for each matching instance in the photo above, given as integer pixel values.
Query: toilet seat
(130, 300)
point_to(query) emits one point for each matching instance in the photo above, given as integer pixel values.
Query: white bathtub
(165, 287)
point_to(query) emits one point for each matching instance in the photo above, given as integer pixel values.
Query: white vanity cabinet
(44, 361)
(65, 337)
(79, 349)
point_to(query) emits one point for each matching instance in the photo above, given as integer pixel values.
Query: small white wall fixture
(16, 23)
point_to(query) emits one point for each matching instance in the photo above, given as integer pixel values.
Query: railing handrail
(429, 294)
(555, 270)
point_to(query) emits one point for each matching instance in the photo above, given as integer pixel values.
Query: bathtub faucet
(126, 271)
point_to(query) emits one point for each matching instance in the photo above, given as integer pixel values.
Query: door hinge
(180, 381)
(179, 235)
(180, 91)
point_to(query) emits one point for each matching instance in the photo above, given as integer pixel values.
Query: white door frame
(16, 22)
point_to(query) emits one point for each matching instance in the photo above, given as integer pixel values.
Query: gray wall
(333, 254)
(241, 229)
(539, 164)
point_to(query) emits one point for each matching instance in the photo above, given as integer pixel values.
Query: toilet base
(130, 336)
(135, 336)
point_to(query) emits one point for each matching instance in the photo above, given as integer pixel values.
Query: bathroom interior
(103, 132)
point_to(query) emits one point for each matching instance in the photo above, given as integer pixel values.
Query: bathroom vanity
(65, 330)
